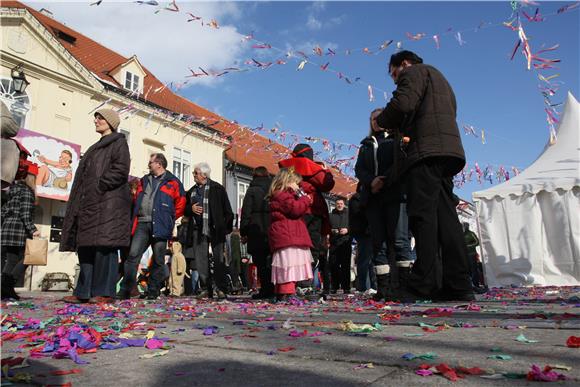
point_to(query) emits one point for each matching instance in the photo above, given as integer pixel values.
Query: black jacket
(98, 212)
(357, 219)
(423, 108)
(338, 220)
(221, 216)
(255, 219)
(375, 158)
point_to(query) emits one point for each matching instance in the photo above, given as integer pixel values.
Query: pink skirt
(291, 264)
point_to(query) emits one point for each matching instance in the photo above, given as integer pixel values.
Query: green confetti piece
(423, 325)
(523, 339)
(495, 349)
(500, 357)
(413, 334)
(427, 356)
(513, 375)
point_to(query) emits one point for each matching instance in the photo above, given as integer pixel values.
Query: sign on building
(57, 161)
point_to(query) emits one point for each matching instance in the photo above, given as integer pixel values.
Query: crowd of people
(404, 168)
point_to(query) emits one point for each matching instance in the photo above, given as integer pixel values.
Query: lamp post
(19, 81)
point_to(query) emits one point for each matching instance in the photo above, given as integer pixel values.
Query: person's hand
(42, 159)
(334, 231)
(343, 231)
(197, 209)
(244, 240)
(294, 186)
(377, 184)
(36, 234)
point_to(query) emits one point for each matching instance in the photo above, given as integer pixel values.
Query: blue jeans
(99, 272)
(402, 240)
(139, 244)
(194, 280)
(364, 265)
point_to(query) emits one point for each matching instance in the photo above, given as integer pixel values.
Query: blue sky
(493, 93)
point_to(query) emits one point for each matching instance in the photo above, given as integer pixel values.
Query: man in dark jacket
(386, 209)
(316, 180)
(340, 248)
(422, 111)
(210, 219)
(254, 226)
(160, 200)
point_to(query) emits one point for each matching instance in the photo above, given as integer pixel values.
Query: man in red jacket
(159, 201)
(316, 181)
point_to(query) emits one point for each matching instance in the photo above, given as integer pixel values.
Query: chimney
(46, 12)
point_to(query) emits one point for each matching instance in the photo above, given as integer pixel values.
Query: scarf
(205, 215)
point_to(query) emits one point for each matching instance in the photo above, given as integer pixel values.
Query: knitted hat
(111, 116)
(303, 150)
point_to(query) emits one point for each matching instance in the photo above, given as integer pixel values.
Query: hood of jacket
(263, 182)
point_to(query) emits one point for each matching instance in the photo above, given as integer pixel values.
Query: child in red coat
(289, 239)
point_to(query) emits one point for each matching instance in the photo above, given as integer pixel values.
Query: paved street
(345, 341)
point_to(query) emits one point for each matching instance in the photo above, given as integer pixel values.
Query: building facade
(66, 88)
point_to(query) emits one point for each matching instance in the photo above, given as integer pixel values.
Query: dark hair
(398, 58)
(69, 153)
(303, 150)
(260, 172)
(160, 158)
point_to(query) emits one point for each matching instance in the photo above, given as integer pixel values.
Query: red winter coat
(287, 229)
(315, 180)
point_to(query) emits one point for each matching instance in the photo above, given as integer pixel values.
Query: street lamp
(19, 82)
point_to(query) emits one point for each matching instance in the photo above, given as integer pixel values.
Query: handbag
(36, 252)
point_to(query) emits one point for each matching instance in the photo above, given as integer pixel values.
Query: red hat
(32, 169)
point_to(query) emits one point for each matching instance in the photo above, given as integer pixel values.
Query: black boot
(383, 288)
(8, 291)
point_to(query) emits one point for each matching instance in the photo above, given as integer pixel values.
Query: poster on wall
(57, 162)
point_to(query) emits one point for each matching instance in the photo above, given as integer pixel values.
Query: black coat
(99, 207)
(375, 158)
(338, 220)
(255, 219)
(423, 107)
(221, 216)
(357, 219)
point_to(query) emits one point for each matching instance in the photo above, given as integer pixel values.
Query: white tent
(530, 224)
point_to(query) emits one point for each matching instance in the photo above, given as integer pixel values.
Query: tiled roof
(247, 148)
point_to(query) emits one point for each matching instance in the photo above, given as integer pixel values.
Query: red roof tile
(248, 149)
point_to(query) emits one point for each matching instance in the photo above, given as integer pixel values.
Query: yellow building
(70, 76)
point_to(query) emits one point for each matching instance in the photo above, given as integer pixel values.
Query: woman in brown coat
(98, 216)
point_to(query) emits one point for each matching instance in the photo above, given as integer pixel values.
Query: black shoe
(406, 295)
(384, 290)
(448, 296)
(143, 296)
(8, 292)
(122, 295)
(480, 289)
(153, 295)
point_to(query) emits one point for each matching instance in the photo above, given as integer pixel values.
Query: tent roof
(556, 168)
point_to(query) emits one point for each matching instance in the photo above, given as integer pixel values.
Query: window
(131, 81)
(242, 188)
(182, 165)
(18, 103)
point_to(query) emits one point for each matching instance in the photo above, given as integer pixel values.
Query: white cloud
(306, 47)
(313, 23)
(313, 20)
(165, 42)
